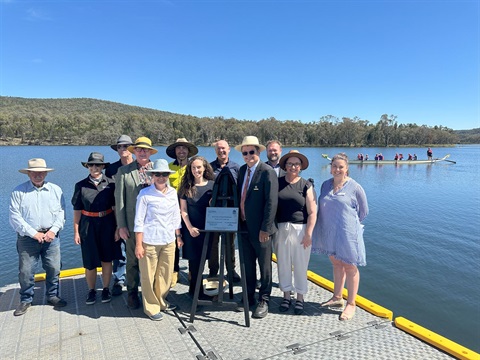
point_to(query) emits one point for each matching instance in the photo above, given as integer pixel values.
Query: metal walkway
(112, 331)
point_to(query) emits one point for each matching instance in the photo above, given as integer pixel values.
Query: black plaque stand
(224, 195)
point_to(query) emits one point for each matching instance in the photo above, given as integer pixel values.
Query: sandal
(285, 305)
(347, 316)
(299, 307)
(333, 302)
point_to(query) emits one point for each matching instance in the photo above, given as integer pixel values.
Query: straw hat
(250, 141)
(160, 165)
(122, 140)
(142, 142)
(192, 149)
(294, 153)
(37, 165)
(95, 158)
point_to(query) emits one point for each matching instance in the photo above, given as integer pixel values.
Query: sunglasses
(158, 174)
(251, 152)
(122, 147)
(92, 165)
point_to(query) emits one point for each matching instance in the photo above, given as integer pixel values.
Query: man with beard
(274, 153)
(181, 150)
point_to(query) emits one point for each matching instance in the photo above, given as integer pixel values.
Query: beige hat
(250, 141)
(37, 165)
(192, 149)
(142, 142)
(294, 153)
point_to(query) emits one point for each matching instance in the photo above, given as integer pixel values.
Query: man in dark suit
(258, 194)
(274, 153)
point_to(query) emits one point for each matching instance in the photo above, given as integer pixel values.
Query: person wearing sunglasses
(157, 226)
(119, 266)
(258, 194)
(94, 225)
(130, 179)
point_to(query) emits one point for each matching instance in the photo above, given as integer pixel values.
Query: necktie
(244, 195)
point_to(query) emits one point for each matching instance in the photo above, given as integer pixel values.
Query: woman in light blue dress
(342, 206)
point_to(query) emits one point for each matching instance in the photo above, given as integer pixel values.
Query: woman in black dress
(195, 193)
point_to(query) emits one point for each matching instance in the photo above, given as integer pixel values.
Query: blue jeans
(29, 251)
(120, 266)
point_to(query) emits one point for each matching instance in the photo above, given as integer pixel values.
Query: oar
(325, 156)
(450, 161)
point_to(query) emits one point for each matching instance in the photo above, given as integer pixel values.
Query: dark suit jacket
(262, 198)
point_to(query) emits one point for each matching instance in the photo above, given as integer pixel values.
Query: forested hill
(98, 122)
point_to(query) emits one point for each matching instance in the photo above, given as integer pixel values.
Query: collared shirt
(231, 165)
(157, 215)
(95, 198)
(176, 177)
(276, 167)
(33, 208)
(252, 172)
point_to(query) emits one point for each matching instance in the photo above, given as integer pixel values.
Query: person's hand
(139, 251)
(194, 232)
(40, 237)
(117, 235)
(263, 236)
(76, 239)
(306, 241)
(49, 236)
(179, 242)
(124, 233)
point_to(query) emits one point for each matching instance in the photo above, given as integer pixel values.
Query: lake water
(422, 233)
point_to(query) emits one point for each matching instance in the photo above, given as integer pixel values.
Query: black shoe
(106, 295)
(235, 277)
(56, 301)
(91, 297)
(117, 289)
(299, 304)
(21, 308)
(261, 311)
(133, 302)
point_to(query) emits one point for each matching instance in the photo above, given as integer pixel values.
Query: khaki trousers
(156, 269)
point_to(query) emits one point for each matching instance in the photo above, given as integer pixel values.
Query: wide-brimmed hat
(160, 165)
(142, 142)
(37, 165)
(95, 158)
(250, 141)
(192, 149)
(294, 153)
(122, 140)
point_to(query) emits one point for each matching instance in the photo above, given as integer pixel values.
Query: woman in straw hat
(296, 216)
(157, 225)
(94, 225)
(339, 232)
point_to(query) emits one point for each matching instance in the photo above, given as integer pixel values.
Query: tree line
(97, 122)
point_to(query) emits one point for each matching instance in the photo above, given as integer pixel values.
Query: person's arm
(58, 212)
(362, 209)
(270, 204)
(77, 214)
(16, 219)
(120, 211)
(139, 250)
(311, 205)
(177, 223)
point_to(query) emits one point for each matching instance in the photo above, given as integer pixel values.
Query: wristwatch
(178, 235)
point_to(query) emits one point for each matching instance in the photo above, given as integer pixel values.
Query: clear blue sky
(292, 60)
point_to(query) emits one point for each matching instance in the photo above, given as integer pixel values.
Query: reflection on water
(423, 223)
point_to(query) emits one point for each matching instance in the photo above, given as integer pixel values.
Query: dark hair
(187, 186)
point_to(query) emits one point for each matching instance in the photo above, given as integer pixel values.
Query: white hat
(160, 165)
(250, 141)
(37, 165)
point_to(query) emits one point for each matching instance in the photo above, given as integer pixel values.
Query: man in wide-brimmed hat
(181, 150)
(119, 266)
(130, 179)
(37, 214)
(258, 194)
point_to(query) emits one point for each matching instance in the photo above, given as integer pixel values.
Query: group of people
(132, 219)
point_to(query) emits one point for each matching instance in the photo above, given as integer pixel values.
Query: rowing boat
(394, 162)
